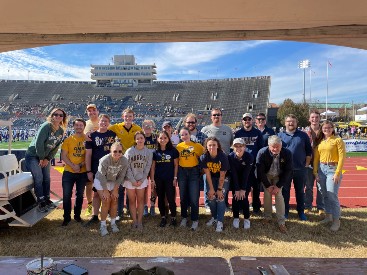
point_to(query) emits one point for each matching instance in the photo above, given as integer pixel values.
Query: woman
(150, 142)
(163, 176)
(43, 149)
(240, 163)
(140, 160)
(110, 175)
(328, 164)
(215, 164)
(188, 177)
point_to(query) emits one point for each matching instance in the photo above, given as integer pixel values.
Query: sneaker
(302, 216)
(93, 220)
(207, 209)
(78, 219)
(219, 227)
(65, 223)
(328, 219)
(50, 204)
(211, 222)
(163, 222)
(88, 211)
(283, 228)
(42, 207)
(246, 224)
(114, 228)
(183, 222)
(140, 227)
(335, 225)
(152, 211)
(103, 230)
(145, 213)
(236, 223)
(308, 210)
(173, 222)
(195, 225)
(321, 212)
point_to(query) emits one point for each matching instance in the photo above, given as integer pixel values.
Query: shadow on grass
(49, 238)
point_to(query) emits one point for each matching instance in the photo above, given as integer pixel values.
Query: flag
(329, 64)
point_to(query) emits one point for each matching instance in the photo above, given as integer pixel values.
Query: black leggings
(165, 189)
(243, 205)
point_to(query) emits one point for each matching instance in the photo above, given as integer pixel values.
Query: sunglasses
(147, 126)
(247, 119)
(60, 115)
(216, 115)
(260, 118)
(115, 151)
(190, 122)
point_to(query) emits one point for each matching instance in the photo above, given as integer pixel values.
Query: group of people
(105, 161)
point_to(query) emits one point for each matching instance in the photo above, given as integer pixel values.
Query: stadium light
(304, 64)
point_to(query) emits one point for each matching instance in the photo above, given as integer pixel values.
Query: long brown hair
(63, 123)
(206, 152)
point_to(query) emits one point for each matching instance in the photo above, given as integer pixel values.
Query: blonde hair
(63, 123)
(148, 121)
(118, 143)
(128, 110)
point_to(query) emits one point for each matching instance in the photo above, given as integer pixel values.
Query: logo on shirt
(214, 167)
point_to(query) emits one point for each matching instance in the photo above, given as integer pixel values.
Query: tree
(300, 110)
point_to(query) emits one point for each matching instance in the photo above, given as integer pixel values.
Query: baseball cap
(238, 141)
(247, 115)
(166, 123)
(91, 106)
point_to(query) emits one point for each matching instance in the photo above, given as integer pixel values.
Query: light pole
(304, 64)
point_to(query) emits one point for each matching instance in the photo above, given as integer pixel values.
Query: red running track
(352, 193)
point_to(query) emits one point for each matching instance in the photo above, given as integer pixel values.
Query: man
(125, 131)
(299, 144)
(73, 154)
(274, 169)
(91, 126)
(314, 134)
(98, 146)
(254, 142)
(190, 122)
(225, 136)
(266, 132)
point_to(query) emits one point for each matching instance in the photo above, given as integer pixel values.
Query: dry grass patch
(305, 239)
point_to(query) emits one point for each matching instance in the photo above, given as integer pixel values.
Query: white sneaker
(236, 223)
(211, 222)
(246, 224)
(194, 225)
(207, 209)
(103, 230)
(219, 227)
(114, 228)
(183, 222)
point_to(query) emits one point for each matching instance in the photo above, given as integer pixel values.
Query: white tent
(362, 109)
(329, 113)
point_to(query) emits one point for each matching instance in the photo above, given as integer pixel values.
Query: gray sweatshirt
(140, 162)
(111, 171)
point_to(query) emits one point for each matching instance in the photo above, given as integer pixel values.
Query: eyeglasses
(247, 119)
(260, 118)
(115, 151)
(60, 115)
(216, 114)
(190, 122)
(147, 126)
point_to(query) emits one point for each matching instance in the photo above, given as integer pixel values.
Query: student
(163, 176)
(215, 164)
(188, 177)
(139, 162)
(110, 175)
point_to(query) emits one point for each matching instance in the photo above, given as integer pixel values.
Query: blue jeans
(309, 192)
(41, 177)
(299, 179)
(188, 182)
(68, 180)
(206, 201)
(218, 207)
(329, 189)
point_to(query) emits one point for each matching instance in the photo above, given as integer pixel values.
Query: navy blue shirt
(164, 163)
(253, 139)
(100, 144)
(215, 165)
(240, 170)
(150, 142)
(266, 133)
(300, 146)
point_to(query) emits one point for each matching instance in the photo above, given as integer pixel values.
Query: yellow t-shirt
(126, 137)
(75, 148)
(91, 126)
(189, 153)
(330, 150)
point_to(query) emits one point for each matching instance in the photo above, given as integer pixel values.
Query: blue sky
(208, 60)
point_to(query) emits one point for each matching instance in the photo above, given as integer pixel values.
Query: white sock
(103, 223)
(113, 221)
